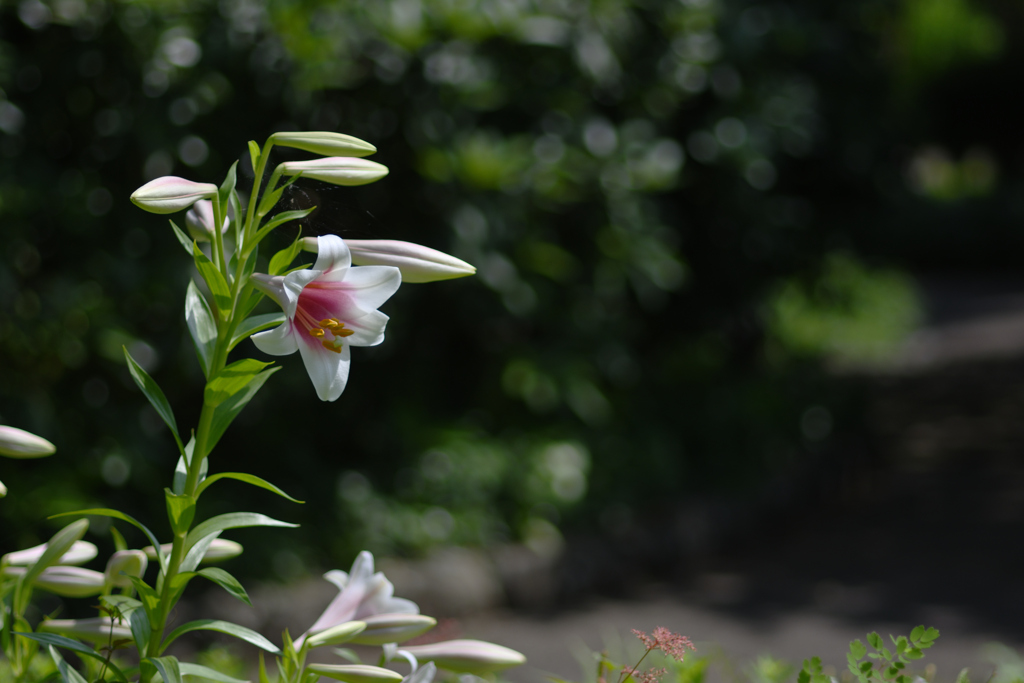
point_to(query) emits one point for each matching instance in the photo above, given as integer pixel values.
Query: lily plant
(327, 307)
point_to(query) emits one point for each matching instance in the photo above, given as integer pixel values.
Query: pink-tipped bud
(393, 628)
(467, 656)
(124, 564)
(325, 143)
(97, 629)
(17, 443)
(199, 221)
(417, 263)
(336, 635)
(79, 553)
(337, 170)
(170, 194)
(69, 582)
(356, 673)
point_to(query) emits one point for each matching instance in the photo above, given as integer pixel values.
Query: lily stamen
(316, 333)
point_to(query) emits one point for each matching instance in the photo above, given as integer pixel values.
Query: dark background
(694, 222)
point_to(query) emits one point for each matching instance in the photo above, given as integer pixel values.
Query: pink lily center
(328, 330)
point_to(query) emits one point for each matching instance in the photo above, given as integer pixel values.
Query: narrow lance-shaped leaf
(181, 509)
(241, 632)
(117, 514)
(231, 380)
(214, 280)
(155, 395)
(248, 479)
(227, 411)
(281, 219)
(231, 520)
(54, 640)
(254, 154)
(256, 323)
(66, 672)
(227, 582)
(201, 326)
(183, 239)
(281, 259)
(206, 673)
(168, 668)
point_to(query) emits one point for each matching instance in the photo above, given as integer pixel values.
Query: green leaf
(168, 668)
(916, 634)
(197, 552)
(184, 239)
(857, 649)
(256, 323)
(155, 395)
(228, 186)
(269, 199)
(201, 326)
(150, 598)
(117, 514)
(875, 640)
(231, 380)
(930, 636)
(254, 154)
(66, 672)
(141, 629)
(913, 653)
(263, 671)
(119, 542)
(803, 677)
(227, 582)
(181, 468)
(248, 479)
(214, 280)
(283, 258)
(200, 671)
(241, 632)
(865, 667)
(886, 653)
(281, 219)
(227, 411)
(963, 677)
(54, 640)
(231, 520)
(181, 509)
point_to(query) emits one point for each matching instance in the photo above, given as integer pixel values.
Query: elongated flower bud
(199, 221)
(337, 170)
(130, 562)
(58, 545)
(220, 549)
(325, 143)
(393, 628)
(97, 629)
(3, 490)
(335, 635)
(417, 263)
(356, 673)
(79, 553)
(17, 443)
(69, 582)
(170, 194)
(467, 656)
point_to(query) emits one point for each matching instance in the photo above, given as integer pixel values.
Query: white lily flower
(331, 308)
(324, 142)
(170, 194)
(363, 594)
(124, 564)
(382, 629)
(467, 656)
(69, 582)
(417, 263)
(199, 221)
(79, 553)
(220, 549)
(17, 443)
(97, 629)
(347, 171)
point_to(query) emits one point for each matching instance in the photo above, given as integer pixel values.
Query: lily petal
(279, 341)
(327, 370)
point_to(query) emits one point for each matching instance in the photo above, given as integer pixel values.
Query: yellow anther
(330, 347)
(316, 333)
(342, 332)
(330, 323)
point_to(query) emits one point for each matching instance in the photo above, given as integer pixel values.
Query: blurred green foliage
(675, 207)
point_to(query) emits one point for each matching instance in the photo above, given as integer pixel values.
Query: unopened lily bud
(337, 170)
(199, 221)
(356, 673)
(326, 143)
(97, 629)
(79, 553)
(124, 564)
(335, 635)
(417, 263)
(58, 546)
(3, 490)
(467, 656)
(17, 443)
(393, 628)
(170, 194)
(220, 549)
(69, 582)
